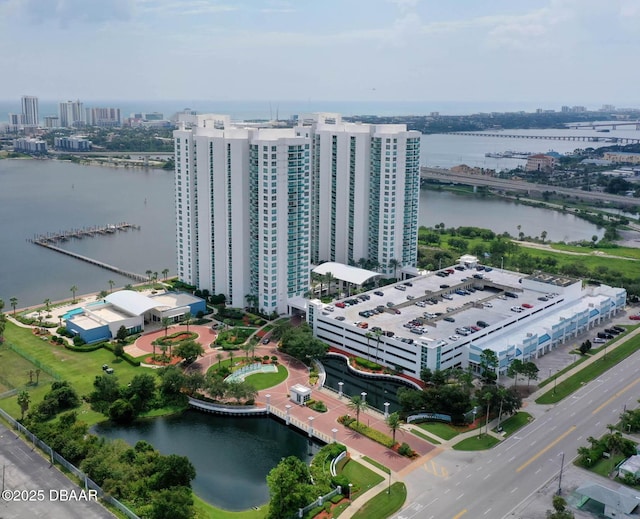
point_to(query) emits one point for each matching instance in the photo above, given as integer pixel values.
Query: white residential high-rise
(72, 114)
(255, 207)
(242, 207)
(30, 111)
(365, 188)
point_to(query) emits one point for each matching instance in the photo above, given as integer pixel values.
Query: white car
(421, 304)
(517, 309)
(598, 340)
(487, 305)
(454, 338)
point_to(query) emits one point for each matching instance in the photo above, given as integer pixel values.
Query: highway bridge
(588, 138)
(613, 125)
(446, 176)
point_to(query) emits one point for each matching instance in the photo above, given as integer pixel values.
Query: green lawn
(426, 437)
(15, 370)
(376, 464)
(266, 380)
(78, 368)
(362, 478)
(515, 422)
(625, 252)
(604, 466)
(206, 511)
(385, 504)
(441, 430)
(590, 372)
(474, 443)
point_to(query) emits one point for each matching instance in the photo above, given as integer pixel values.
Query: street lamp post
(555, 384)
(350, 488)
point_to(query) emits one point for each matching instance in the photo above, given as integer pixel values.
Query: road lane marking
(516, 488)
(551, 445)
(460, 496)
(488, 475)
(459, 515)
(621, 392)
(489, 510)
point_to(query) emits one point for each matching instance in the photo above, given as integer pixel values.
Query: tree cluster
(122, 404)
(613, 443)
(630, 420)
(61, 397)
(300, 343)
(451, 392)
(153, 485)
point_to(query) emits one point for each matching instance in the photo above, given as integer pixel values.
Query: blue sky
(548, 51)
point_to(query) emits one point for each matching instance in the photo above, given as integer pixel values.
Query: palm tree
(187, 319)
(148, 273)
(328, 277)
(47, 304)
(74, 289)
(394, 264)
(356, 404)
(219, 357)
(155, 277)
(393, 422)
(23, 401)
(111, 284)
(378, 334)
(369, 336)
(502, 393)
(14, 303)
(165, 273)
(543, 235)
(166, 322)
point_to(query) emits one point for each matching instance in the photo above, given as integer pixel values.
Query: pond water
(232, 456)
(378, 391)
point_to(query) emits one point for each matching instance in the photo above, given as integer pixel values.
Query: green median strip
(385, 504)
(474, 443)
(425, 437)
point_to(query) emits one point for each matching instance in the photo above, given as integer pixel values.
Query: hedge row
(369, 432)
(84, 348)
(128, 358)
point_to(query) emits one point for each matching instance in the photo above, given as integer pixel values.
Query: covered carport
(347, 275)
(617, 504)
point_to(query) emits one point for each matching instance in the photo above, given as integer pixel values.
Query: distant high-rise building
(30, 111)
(16, 122)
(108, 117)
(72, 114)
(255, 207)
(52, 121)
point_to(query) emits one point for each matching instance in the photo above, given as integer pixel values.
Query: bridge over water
(589, 138)
(449, 177)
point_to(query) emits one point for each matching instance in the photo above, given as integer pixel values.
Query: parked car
(598, 340)
(410, 297)
(265, 340)
(449, 319)
(487, 304)
(516, 309)
(454, 338)
(511, 294)
(543, 298)
(340, 318)
(444, 286)
(378, 293)
(526, 305)
(604, 335)
(611, 331)
(634, 317)
(482, 324)
(620, 329)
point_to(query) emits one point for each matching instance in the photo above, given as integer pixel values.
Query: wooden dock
(53, 237)
(48, 240)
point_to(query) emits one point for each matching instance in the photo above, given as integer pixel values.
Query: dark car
(619, 329)
(265, 340)
(378, 293)
(444, 286)
(604, 335)
(482, 324)
(611, 331)
(449, 319)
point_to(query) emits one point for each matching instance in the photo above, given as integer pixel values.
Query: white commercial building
(446, 319)
(256, 207)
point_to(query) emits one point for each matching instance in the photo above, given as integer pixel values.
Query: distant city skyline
(547, 52)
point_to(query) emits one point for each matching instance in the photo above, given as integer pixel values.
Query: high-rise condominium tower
(255, 207)
(72, 114)
(30, 111)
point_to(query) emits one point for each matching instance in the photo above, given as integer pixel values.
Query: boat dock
(48, 240)
(82, 233)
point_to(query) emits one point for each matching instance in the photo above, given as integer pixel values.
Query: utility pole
(560, 478)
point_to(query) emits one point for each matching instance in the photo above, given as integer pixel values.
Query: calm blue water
(232, 456)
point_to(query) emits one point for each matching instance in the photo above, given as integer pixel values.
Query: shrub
(78, 341)
(342, 481)
(405, 450)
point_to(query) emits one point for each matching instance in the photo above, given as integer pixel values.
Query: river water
(40, 196)
(232, 456)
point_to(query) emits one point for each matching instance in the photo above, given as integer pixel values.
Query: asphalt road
(25, 473)
(491, 484)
